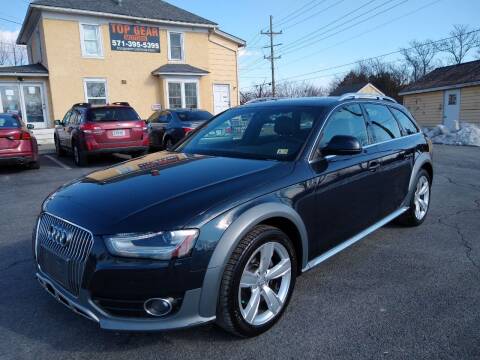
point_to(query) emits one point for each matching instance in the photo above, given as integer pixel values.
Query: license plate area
(118, 133)
(54, 266)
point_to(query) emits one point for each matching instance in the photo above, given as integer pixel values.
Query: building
(147, 52)
(360, 88)
(447, 95)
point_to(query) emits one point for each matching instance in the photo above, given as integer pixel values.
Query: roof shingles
(24, 69)
(448, 76)
(147, 9)
(179, 69)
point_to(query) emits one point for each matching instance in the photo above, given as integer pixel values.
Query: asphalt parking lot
(401, 293)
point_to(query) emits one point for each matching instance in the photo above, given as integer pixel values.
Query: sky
(318, 37)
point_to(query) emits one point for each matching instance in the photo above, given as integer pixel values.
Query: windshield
(7, 121)
(112, 114)
(194, 115)
(276, 133)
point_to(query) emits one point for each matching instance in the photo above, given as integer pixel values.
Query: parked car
(219, 230)
(93, 129)
(17, 143)
(167, 127)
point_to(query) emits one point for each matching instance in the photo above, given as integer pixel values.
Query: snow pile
(467, 134)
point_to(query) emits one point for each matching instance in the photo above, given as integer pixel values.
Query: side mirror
(342, 145)
(58, 122)
(30, 126)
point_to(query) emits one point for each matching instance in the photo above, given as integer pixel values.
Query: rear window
(407, 124)
(193, 115)
(7, 121)
(384, 126)
(112, 114)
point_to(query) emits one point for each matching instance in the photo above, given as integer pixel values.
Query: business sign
(125, 37)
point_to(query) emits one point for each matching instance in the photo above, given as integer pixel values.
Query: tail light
(21, 135)
(186, 130)
(89, 128)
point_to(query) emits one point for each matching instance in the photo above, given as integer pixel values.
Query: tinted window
(262, 132)
(349, 121)
(7, 121)
(194, 115)
(407, 124)
(154, 118)
(112, 114)
(384, 126)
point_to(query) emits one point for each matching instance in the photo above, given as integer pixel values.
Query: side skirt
(318, 260)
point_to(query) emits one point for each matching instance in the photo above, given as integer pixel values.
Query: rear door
(158, 127)
(393, 153)
(347, 198)
(116, 124)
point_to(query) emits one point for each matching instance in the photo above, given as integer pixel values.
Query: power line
(310, 36)
(363, 33)
(285, 18)
(371, 58)
(293, 17)
(10, 21)
(314, 14)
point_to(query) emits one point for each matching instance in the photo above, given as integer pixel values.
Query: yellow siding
(68, 69)
(369, 89)
(427, 108)
(223, 67)
(470, 104)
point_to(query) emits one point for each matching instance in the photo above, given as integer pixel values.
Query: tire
(58, 149)
(79, 156)
(418, 210)
(257, 287)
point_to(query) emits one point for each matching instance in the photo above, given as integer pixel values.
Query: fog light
(158, 306)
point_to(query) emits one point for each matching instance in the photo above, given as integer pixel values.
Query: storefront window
(10, 99)
(96, 91)
(175, 95)
(191, 95)
(182, 95)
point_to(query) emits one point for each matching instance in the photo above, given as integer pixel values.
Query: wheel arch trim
(230, 239)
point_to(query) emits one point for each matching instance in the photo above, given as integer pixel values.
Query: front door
(347, 198)
(221, 98)
(451, 108)
(34, 102)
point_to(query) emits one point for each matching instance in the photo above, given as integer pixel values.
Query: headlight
(163, 245)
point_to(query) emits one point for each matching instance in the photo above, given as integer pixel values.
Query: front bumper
(187, 316)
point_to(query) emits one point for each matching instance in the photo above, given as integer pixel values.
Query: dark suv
(92, 129)
(167, 127)
(218, 228)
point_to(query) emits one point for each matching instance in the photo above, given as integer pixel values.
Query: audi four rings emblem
(59, 235)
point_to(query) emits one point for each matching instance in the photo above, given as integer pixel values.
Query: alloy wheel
(422, 197)
(265, 283)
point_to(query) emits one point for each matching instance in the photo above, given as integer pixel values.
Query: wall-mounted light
(124, 82)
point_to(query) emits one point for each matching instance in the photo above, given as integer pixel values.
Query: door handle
(373, 165)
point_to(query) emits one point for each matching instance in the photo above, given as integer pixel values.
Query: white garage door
(221, 98)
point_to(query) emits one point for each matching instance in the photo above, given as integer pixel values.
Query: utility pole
(272, 57)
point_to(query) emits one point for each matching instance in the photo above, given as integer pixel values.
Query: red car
(93, 129)
(17, 143)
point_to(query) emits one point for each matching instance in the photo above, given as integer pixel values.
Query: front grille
(63, 262)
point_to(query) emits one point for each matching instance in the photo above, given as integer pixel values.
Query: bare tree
(419, 58)
(287, 89)
(12, 54)
(462, 40)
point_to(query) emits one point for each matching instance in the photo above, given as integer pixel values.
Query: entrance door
(34, 102)
(451, 108)
(221, 98)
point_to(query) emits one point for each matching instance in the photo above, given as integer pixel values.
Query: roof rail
(123, 103)
(366, 96)
(82, 105)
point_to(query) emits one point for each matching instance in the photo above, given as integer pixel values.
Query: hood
(161, 191)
